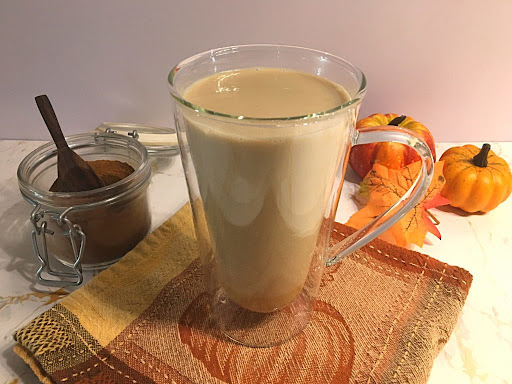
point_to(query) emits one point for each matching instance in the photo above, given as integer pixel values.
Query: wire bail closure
(134, 134)
(76, 236)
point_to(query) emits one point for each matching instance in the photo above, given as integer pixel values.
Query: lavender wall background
(446, 63)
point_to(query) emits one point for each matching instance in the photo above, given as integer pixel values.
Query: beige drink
(265, 183)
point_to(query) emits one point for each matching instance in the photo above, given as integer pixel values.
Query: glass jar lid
(158, 141)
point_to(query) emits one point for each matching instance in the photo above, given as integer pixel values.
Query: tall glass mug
(264, 191)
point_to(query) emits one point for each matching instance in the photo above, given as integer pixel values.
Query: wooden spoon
(74, 174)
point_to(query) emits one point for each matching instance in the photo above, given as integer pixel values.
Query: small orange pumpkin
(476, 179)
(391, 155)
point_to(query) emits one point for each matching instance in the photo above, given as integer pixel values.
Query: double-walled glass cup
(264, 192)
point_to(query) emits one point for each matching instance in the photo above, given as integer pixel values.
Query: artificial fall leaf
(382, 187)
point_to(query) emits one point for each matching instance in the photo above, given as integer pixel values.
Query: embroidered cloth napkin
(382, 316)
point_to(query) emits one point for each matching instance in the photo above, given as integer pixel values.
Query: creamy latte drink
(265, 184)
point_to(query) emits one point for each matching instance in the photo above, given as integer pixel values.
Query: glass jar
(90, 229)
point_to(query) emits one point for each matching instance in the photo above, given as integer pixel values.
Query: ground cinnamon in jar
(109, 171)
(111, 229)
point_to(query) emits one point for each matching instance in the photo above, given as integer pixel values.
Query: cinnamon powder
(109, 171)
(112, 229)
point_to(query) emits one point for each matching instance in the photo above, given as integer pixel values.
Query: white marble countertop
(479, 350)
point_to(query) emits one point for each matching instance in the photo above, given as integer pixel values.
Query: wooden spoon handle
(50, 119)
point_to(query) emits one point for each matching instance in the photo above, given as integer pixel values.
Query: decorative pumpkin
(391, 155)
(476, 179)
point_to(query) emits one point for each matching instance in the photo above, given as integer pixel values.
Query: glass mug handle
(387, 219)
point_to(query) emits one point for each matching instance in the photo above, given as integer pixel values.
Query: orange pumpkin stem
(480, 160)
(397, 120)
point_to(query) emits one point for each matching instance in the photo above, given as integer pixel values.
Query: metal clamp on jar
(90, 229)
